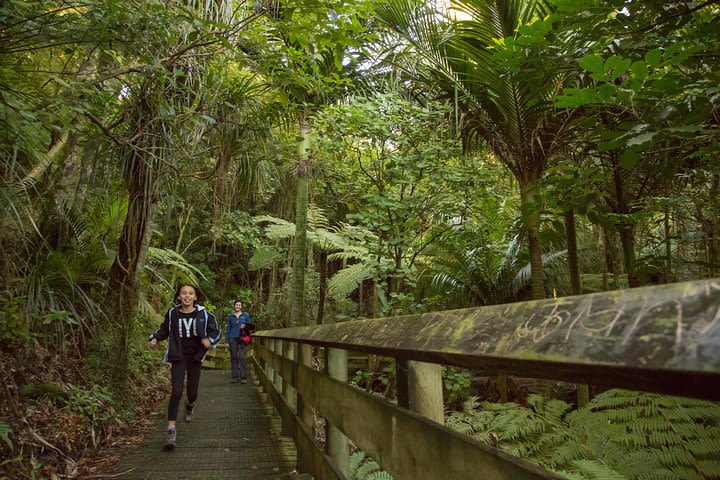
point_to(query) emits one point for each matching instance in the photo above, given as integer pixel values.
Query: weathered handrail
(663, 338)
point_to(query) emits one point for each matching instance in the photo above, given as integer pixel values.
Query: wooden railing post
(261, 362)
(268, 365)
(303, 409)
(583, 394)
(289, 393)
(277, 379)
(425, 394)
(337, 442)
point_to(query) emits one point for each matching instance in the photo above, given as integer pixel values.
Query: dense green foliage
(330, 161)
(620, 434)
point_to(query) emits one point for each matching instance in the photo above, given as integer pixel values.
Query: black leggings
(177, 377)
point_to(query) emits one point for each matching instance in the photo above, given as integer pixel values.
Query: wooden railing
(661, 339)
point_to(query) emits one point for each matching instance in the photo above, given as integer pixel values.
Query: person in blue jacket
(237, 336)
(191, 331)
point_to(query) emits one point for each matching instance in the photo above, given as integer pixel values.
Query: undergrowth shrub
(457, 384)
(95, 407)
(620, 434)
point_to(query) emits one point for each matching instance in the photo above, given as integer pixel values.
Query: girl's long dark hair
(199, 295)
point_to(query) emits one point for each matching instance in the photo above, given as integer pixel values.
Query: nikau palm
(503, 101)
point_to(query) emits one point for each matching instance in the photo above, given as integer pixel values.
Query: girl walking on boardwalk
(191, 330)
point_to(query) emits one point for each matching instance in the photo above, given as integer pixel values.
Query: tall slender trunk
(531, 216)
(668, 246)
(626, 230)
(323, 286)
(627, 240)
(713, 228)
(572, 253)
(611, 256)
(301, 211)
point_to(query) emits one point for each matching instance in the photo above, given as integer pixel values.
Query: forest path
(232, 436)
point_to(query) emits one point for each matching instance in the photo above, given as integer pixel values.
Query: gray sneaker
(188, 412)
(243, 380)
(170, 438)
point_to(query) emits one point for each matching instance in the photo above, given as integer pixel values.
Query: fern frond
(366, 469)
(566, 454)
(704, 447)
(280, 231)
(348, 279)
(356, 459)
(710, 468)
(380, 476)
(350, 252)
(263, 257)
(598, 470)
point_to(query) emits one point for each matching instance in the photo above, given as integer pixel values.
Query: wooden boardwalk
(232, 436)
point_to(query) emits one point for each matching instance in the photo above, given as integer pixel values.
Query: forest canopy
(329, 161)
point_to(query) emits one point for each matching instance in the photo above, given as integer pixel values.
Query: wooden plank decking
(232, 436)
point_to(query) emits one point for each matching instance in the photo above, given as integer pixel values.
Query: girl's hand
(153, 343)
(205, 342)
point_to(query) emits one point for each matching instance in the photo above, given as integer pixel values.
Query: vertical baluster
(424, 385)
(303, 409)
(337, 367)
(277, 378)
(259, 353)
(268, 363)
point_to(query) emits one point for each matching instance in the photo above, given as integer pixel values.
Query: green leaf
(611, 63)
(592, 63)
(606, 92)
(639, 70)
(653, 57)
(629, 159)
(641, 139)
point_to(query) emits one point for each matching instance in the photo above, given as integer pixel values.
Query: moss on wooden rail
(661, 338)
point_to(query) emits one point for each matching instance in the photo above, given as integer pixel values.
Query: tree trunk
(668, 246)
(122, 294)
(611, 257)
(572, 254)
(531, 216)
(323, 286)
(627, 240)
(301, 211)
(713, 228)
(626, 230)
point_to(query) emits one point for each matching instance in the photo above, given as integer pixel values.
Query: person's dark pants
(237, 358)
(177, 377)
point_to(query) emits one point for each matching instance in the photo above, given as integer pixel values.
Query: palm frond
(523, 276)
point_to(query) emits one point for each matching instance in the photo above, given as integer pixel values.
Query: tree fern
(621, 434)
